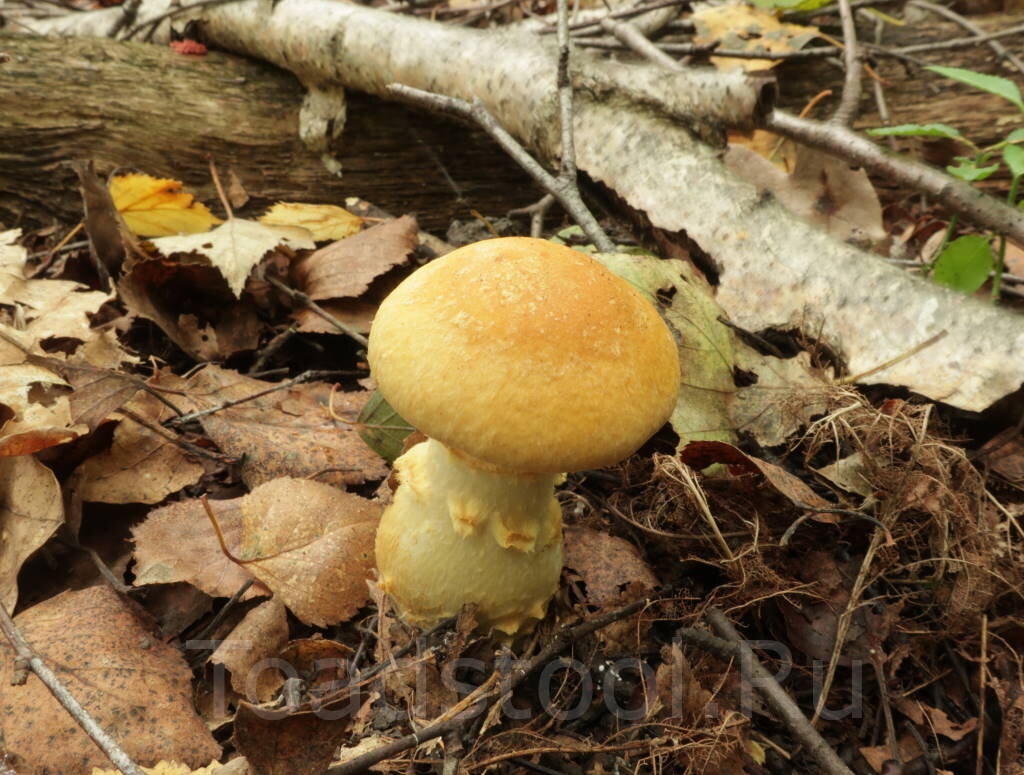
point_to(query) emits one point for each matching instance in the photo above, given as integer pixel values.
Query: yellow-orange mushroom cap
(526, 355)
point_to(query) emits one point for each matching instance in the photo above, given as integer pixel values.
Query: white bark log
(635, 132)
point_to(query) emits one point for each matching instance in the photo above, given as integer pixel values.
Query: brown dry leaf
(236, 247)
(178, 543)
(812, 625)
(278, 743)
(850, 474)
(354, 313)
(822, 189)
(191, 303)
(787, 394)
(679, 688)
(934, 720)
(323, 222)
(137, 688)
(701, 454)
(737, 25)
(141, 466)
(606, 564)
(347, 267)
(286, 432)
(878, 755)
(260, 636)
(35, 410)
(1014, 258)
(155, 207)
(768, 145)
(31, 510)
(12, 259)
(312, 545)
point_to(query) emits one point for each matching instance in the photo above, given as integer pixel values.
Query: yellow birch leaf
(325, 222)
(741, 26)
(157, 207)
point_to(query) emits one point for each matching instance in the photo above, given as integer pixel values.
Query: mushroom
(520, 359)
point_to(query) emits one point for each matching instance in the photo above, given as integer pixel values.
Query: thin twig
(850, 99)
(306, 376)
(537, 212)
(624, 13)
(516, 675)
(979, 751)
(307, 301)
(782, 703)
(271, 349)
(154, 22)
(187, 446)
(967, 24)
(952, 43)
(569, 199)
(631, 36)
(81, 716)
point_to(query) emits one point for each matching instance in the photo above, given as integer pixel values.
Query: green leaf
(1016, 136)
(918, 130)
(993, 84)
(382, 429)
(969, 170)
(1013, 155)
(965, 263)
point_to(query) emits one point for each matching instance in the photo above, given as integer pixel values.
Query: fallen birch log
(650, 136)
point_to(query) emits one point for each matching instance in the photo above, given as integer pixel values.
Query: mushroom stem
(459, 531)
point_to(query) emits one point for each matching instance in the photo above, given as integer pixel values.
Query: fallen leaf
(192, 304)
(277, 743)
(347, 267)
(742, 27)
(35, 410)
(156, 207)
(169, 768)
(787, 393)
(12, 260)
(849, 473)
(701, 454)
(137, 688)
(606, 564)
(324, 222)
(934, 720)
(312, 545)
(235, 247)
(178, 543)
(31, 510)
(705, 343)
(821, 188)
(286, 432)
(141, 465)
(247, 652)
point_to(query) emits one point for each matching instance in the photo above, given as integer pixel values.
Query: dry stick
(625, 13)
(306, 376)
(958, 196)
(952, 43)
(305, 300)
(845, 619)
(538, 210)
(780, 701)
(979, 751)
(516, 676)
(569, 199)
(850, 99)
(28, 657)
(970, 26)
(187, 446)
(631, 36)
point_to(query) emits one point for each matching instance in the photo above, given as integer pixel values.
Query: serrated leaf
(382, 428)
(1013, 155)
(964, 264)
(993, 84)
(157, 207)
(918, 130)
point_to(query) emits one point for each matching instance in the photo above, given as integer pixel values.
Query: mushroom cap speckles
(526, 355)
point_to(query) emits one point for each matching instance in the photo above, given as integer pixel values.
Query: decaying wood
(143, 107)
(650, 136)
